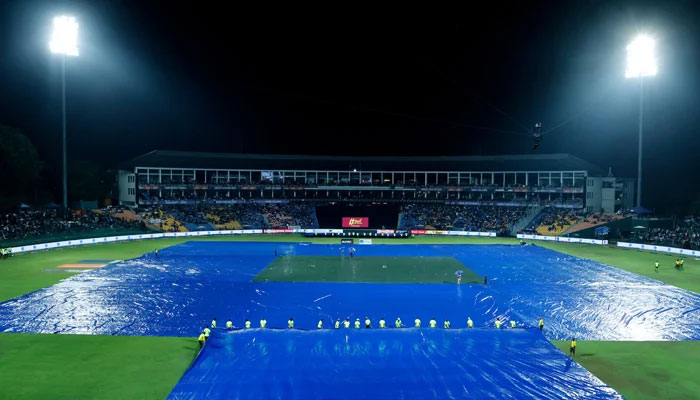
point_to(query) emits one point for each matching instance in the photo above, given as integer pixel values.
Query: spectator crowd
(684, 234)
(484, 218)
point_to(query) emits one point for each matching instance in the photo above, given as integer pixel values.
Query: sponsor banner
(347, 241)
(279, 230)
(385, 231)
(355, 222)
(365, 241)
(661, 249)
(562, 239)
(452, 233)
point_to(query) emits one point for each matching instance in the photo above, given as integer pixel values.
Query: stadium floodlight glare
(64, 39)
(641, 60)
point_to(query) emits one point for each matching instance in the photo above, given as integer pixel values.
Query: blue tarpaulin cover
(386, 364)
(182, 290)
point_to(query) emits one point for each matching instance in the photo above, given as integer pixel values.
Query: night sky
(361, 81)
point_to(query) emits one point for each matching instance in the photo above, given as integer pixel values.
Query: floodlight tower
(641, 62)
(64, 41)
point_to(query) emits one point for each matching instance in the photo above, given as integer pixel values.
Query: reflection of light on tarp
(386, 364)
(176, 294)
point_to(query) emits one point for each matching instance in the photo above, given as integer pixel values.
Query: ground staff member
(320, 324)
(290, 323)
(201, 340)
(470, 323)
(417, 325)
(497, 324)
(382, 323)
(447, 324)
(572, 348)
(433, 323)
(512, 323)
(368, 323)
(337, 323)
(247, 324)
(541, 324)
(207, 332)
(229, 324)
(263, 323)
(346, 323)
(357, 323)
(397, 323)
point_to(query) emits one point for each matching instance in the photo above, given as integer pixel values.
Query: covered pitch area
(178, 292)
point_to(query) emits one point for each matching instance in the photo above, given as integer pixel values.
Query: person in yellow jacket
(201, 340)
(470, 323)
(572, 348)
(229, 324)
(512, 323)
(382, 323)
(368, 323)
(433, 323)
(497, 323)
(346, 323)
(398, 323)
(213, 323)
(417, 323)
(320, 324)
(290, 323)
(247, 324)
(337, 323)
(357, 323)
(207, 332)
(541, 324)
(263, 323)
(446, 324)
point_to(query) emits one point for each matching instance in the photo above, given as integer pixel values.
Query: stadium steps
(526, 220)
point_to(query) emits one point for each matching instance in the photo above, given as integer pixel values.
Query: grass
(366, 269)
(639, 262)
(92, 367)
(643, 370)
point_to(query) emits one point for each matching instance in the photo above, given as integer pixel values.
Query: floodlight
(64, 39)
(641, 60)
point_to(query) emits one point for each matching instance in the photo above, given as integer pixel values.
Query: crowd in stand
(27, 224)
(684, 234)
(458, 217)
(554, 219)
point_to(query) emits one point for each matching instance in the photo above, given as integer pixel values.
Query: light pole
(64, 41)
(641, 62)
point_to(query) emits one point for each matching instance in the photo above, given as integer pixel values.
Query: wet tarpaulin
(188, 285)
(386, 364)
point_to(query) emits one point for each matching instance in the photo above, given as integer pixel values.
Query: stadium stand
(456, 217)
(684, 234)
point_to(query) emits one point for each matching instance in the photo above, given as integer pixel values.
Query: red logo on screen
(355, 222)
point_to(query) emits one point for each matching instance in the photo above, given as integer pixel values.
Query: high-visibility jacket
(498, 324)
(541, 324)
(470, 323)
(357, 324)
(433, 323)
(229, 324)
(382, 323)
(346, 323)
(290, 324)
(398, 322)
(213, 323)
(247, 324)
(207, 331)
(202, 338)
(263, 323)
(417, 323)
(337, 324)
(447, 324)
(320, 324)
(368, 323)
(512, 323)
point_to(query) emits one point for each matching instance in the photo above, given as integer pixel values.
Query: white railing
(661, 249)
(562, 239)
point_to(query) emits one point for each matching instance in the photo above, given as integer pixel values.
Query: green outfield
(366, 269)
(114, 367)
(643, 370)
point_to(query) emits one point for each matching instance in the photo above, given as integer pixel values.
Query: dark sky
(361, 81)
